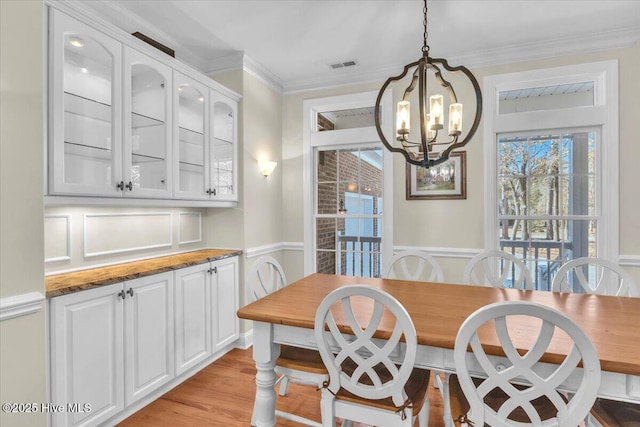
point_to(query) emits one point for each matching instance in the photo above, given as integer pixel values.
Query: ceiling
(291, 44)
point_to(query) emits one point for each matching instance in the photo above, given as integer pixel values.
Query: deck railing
(359, 256)
(543, 257)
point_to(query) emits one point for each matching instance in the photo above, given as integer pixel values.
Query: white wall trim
(257, 251)
(68, 233)
(245, 340)
(88, 254)
(629, 260)
(180, 215)
(441, 252)
(20, 305)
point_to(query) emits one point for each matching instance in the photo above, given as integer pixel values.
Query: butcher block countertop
(61, 284)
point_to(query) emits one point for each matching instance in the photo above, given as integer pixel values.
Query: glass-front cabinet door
(86, 115)
(223, 147)
(147, 123)
(190, 138)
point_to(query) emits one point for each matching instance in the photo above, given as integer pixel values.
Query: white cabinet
(225, 303)
(148, 335)
(110, 346)
(148, 125)
(128, 122)
(224, 155)
(206, 297)
(193, 316)
(191, 135)
(85, 109)
(206, 142)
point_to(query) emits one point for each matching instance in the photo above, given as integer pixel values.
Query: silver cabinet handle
(130, 291)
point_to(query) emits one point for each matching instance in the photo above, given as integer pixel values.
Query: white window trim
(603, 113)
(311, 139)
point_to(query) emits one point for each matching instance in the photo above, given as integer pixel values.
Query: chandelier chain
(425, 46)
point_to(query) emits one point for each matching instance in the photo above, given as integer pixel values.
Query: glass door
(192, 129)
(86, 110)
(223, 147)
(147, 119)
(348, 219)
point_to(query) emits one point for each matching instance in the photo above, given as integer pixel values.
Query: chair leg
(326, 409)
(284, 384)
(423, 415)
(446, 401)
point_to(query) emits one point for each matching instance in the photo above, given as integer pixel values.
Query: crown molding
(568, 46)
(241, 61)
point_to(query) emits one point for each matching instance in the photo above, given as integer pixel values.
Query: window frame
(603, 114)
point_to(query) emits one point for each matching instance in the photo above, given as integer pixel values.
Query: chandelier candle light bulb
(435, 109)
(455, 119)
(403, 118)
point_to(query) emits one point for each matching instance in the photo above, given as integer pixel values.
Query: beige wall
(431, 229)
(22, 339)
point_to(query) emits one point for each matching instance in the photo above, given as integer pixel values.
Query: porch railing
(543, 257)
(359, 256)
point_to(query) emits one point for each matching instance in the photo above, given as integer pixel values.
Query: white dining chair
(365, 385)
(515, 392)
(594, 276)
(413, 265)
(295, 364)
(599, 276)
(498, 269)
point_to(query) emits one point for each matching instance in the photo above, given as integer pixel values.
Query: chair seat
(416, 389)
(611, 413)
(301, 359)
(495, 399)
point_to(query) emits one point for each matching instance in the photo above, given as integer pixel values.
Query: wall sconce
(267, 167)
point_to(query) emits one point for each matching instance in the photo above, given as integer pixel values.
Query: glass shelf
(191, 167)
(142, 121)
(145, 158)
(84, 150)
(85, 107)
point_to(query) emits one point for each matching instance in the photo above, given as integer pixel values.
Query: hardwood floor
(222, 395)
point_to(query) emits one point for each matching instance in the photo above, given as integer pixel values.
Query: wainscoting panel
(190, 227)
(112, 233)
(57, 237)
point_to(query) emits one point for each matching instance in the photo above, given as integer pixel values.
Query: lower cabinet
(110, 346)
(113, 345)
(206, 298)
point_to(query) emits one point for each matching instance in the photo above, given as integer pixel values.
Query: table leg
(265, 353)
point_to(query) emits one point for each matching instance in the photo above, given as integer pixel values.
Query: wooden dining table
(437, 310)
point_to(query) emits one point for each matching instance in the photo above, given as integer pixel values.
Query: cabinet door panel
(224, 112)
(191, 138)
(85, 108)
(86, 355)
(226, 302)
(148, 335)
(148, 126)
(193, 316)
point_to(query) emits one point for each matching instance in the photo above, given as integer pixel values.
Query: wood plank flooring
(222, 395)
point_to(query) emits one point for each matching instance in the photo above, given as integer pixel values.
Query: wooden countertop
(61, 284)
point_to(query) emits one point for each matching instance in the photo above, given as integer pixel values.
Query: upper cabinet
(127, 122)
(86, 110)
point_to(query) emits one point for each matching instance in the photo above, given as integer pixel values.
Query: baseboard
(246, 340)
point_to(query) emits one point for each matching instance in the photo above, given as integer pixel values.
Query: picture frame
(446, 181)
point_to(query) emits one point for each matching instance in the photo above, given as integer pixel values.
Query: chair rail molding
(441, 252)
(273, 247)
(629, 260)
(20, 305)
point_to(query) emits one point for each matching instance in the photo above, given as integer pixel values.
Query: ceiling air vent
(351, 63)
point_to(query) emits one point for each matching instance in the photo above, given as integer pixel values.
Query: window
(552, 142)
(346, 187)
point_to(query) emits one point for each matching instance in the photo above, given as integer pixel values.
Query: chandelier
(432, 148)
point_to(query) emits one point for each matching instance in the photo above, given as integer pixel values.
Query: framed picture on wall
(448, 180)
